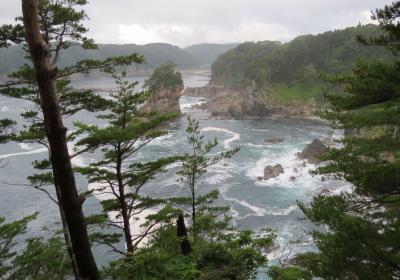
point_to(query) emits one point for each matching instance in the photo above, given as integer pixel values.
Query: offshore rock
(273, 171)
(312, 151)
(164, 100)
(275, 140)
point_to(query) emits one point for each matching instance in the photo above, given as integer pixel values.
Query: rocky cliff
(247, 103)
(164, 100)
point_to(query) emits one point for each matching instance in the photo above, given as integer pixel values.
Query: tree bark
(123, 205)
(56, 133)
(67, 238)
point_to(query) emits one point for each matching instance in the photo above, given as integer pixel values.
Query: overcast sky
(187, 22)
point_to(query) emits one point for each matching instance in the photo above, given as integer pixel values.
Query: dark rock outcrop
(272, 171)
(313, 151)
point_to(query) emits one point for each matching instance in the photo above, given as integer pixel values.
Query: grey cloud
(186, 22)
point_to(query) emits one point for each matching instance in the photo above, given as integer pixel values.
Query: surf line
(227, 142)
(37, 151)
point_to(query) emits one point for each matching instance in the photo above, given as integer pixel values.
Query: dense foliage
(42, 258)
(361, 237)
(294, 68)
(164, 76)
(60, 29)
(118, 174)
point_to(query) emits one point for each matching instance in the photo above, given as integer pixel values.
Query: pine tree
(7, 130)
(8, 235)
(219, 250)
(194, 165)
(119, 174)
(362, 238)
(48, 27)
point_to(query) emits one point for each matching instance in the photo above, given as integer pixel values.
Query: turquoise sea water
(254, 204)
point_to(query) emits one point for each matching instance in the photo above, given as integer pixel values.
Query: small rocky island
(166, 86)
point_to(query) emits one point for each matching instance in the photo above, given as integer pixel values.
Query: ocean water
(254, 204)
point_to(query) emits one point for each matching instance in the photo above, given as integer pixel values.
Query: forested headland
(287, 77)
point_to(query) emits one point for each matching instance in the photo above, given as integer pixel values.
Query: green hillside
(293, 69)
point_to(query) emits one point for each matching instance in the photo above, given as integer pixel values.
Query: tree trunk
(192, 189)
(181, 232)
(67, 238)
(123, 205)
(56, 133)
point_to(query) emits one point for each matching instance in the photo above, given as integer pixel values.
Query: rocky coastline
(247, 103)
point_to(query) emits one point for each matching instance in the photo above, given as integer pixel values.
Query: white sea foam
(261, 130)
(165, 141)
(255, 145)
(186, 104)
(9, 101)
(26, 146)
(258, 211)
(227, 142)
(281, 212)
(36, 151)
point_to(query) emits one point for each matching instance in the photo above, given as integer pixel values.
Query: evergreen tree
(194, 165)
(219, 252)
(36, 258)
(8, 234)
(49, 27)
(7, 130)
(119, 174)
(165, 76)
(361, 240)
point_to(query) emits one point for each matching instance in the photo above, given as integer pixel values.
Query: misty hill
(156, 54)
(206, 54)
(298, 62)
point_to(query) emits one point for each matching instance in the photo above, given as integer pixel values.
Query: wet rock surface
(313, 151)
(272, 171)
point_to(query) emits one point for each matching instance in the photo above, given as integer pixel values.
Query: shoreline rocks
(313, 151)
(247, 103)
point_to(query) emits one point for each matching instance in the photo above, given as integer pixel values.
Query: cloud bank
(186, 22)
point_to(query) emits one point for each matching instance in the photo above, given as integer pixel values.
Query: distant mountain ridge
(205, 54)
(193, 57)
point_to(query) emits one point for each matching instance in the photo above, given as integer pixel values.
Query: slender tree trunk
(56, 133)
(192, 186)
(122, 202)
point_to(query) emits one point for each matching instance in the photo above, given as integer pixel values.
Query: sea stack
(165, 86)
